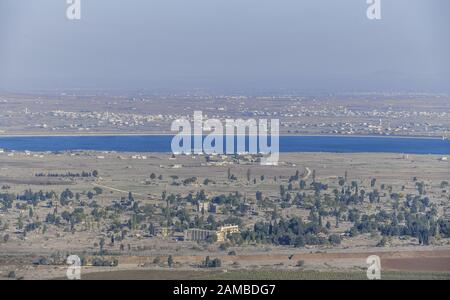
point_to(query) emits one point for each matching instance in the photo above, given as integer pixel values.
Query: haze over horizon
(310, 45)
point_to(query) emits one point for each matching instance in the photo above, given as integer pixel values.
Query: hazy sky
(323, 45)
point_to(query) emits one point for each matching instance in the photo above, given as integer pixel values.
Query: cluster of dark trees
(32, 226)
(419, 225)
(190, 180)
(414, 217)
(6, 200)
(233, 199)
(34, 197)
(74, 217)
(153, 177)
(101, 262)
(30, 197)
(69, 174)
(292, 232)
(211, 263)
(53, 219)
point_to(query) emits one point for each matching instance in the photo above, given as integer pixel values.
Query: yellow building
(163, 231)
(226, 230)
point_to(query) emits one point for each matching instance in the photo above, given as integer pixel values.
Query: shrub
(157, 260)
(223, 246)
(300, 263)
(215, 263)
(334, 239)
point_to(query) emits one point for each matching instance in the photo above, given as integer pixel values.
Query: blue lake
(149, 143)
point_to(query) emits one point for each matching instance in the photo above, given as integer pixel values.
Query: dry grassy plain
(120, 173)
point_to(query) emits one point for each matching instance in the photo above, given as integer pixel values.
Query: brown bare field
(258, 275)
(429, 260)
(437, 264)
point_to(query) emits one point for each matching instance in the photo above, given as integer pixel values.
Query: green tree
(20, 223)
(259, 196)
(302, 184)
(334, 239)
(102, 244)
(300, 242)
(211, 239)
(98, 190)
